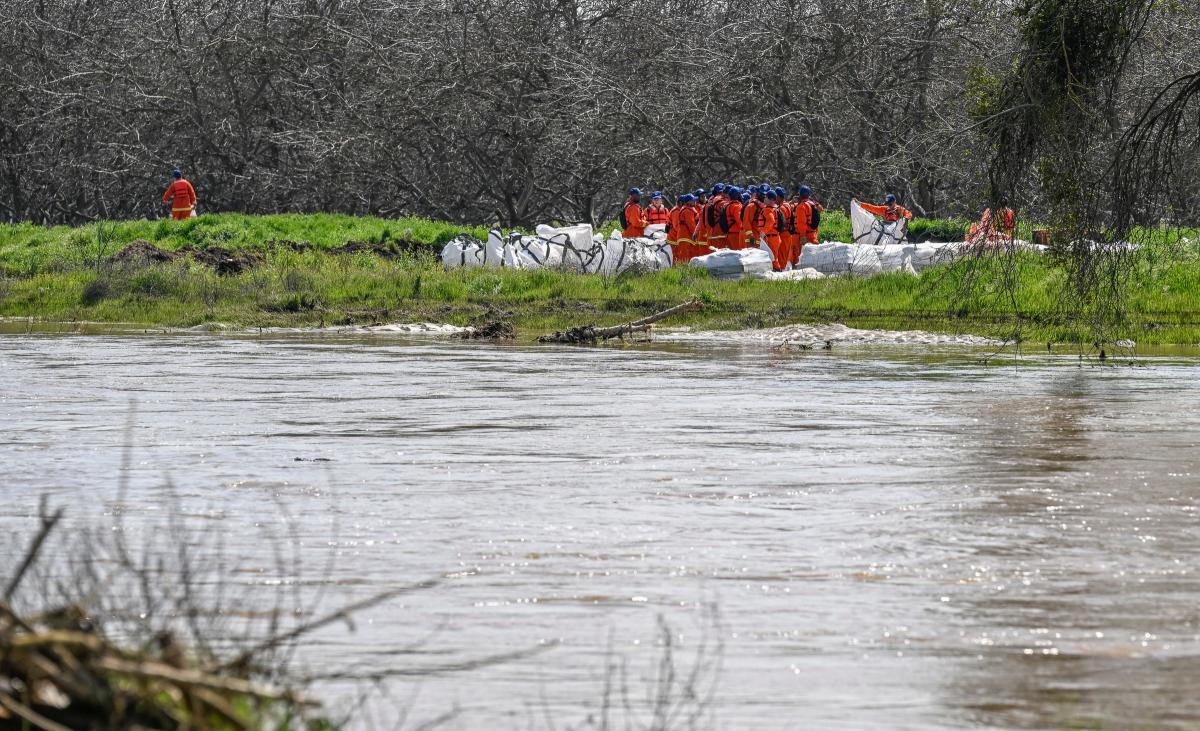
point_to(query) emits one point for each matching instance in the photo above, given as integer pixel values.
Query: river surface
(863, 538)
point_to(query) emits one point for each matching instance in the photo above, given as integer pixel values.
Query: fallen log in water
(591, 333)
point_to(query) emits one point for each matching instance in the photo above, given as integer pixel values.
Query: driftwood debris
(591, 333)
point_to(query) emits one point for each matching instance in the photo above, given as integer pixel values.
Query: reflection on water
(894, 539)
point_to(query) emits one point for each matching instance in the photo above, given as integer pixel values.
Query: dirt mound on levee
(223, 261)
(142, 251)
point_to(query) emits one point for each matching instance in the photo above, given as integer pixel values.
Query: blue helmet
(764, 188)
(780, 191)
(734, 190)
(656, 194)
(772, 195)
(804, 191)
(685, 198)
(177, 173)
(890, 198)
(718, 188)
(698, 192)
(635, 191)
(745, 197)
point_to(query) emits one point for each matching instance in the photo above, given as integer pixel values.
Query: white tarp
(868, 229)
(730, 264)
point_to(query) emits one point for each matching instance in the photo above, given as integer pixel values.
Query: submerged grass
(52, 274)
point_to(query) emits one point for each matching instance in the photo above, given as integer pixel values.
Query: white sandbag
(730, 264)
(635, 254)
(895, 258)
(654, 229)
(464, 252)
(857, 259)
(533, 252)
(493, 249)
(580, 251)
(792, 275)
(868, 229)
(929, 255)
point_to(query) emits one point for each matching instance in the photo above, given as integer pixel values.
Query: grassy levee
(62, 274)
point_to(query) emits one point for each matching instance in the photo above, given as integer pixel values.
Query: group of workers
(730, 217)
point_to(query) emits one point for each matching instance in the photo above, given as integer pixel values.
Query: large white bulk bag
(463, 252)
(532, 252)
(730, 264)
(896, 258)
(654, 229)
(622, 254)
(868, 229)
(493, 249)
(928, 255)
(860, 260)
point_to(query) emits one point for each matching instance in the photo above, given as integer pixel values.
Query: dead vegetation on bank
(147, 640)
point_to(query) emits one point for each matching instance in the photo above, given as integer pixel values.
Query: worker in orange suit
(773, 229)
(633, 222)
(657, 213)
(890, 212)
(700, 240)
(752, 217)
(683, 230)
(713, 218)
(787, 207)
(994, 228)
(689, 221)
(808, 220)
(181, 196)
(673, 222)
(732, 220)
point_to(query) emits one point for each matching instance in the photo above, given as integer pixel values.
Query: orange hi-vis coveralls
(791, 239)
(182, 197)
(673, 232)
(689, 223)
(657, 213)
(890, 214)
(773, 229)
(806, 232)
(752, 222)
(702, 228)
(673, 224)
(714, 217)
(635, 222)
(733, 224)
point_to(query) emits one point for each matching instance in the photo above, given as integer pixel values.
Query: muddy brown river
(883, 537)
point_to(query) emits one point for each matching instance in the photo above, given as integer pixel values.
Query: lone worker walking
(181, 196)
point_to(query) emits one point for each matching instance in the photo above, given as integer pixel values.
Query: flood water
(884, 538)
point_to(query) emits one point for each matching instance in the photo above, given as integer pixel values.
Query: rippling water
(892, 538)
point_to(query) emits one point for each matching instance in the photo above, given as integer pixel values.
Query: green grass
(55, 275)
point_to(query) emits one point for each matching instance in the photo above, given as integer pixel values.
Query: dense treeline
(522, 111)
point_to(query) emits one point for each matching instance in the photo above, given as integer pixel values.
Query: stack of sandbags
(731, 264)
(571, 248)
